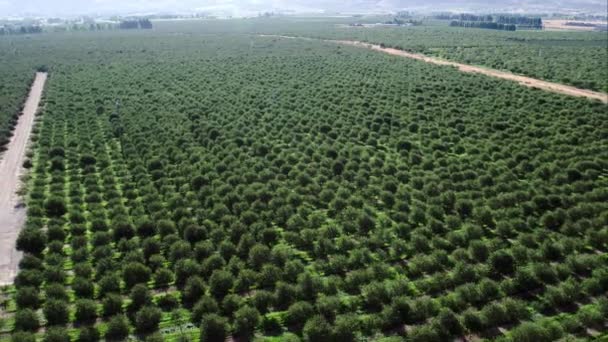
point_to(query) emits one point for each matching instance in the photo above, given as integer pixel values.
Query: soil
(560, 25)
(523, 80)
(12, 211)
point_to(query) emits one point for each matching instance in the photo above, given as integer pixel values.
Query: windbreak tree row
(212, 186)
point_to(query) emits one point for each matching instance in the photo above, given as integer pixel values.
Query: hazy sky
(251, 7)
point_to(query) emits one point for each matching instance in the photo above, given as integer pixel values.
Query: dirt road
(12, 215)
(523, 80)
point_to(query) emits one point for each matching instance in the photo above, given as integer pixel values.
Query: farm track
(523, 80)
(12, 213)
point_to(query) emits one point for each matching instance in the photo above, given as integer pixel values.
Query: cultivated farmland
(206, 183)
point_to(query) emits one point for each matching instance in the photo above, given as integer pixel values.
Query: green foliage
(213, 328)
(86, 311)
(56, 312)
(316, 329)
(56, 334)
(118, 328)
(246, 319)
(26, 320)
(147, 319)
(88, 334)
(257, 183)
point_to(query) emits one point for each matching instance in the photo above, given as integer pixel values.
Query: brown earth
(523, 80)
(12, 212)
(560, 25)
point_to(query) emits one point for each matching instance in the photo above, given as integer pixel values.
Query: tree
(346, 328)
(109, 283)
(83, 287)
(246, 320)
(86, 311)
(424, 333)
(56, 334)
(448, 323)
(502, 262)
(27, 297)
(112, 305)
(55, 206)
(21, 336)
(140, 296)
(118, 328)
(26, 320)
(31, 240)
(163, 277)
(317, 329)
(88, 334)
(194, 290)
(135, 273)
(220, 283)
(205, 305)
(147, 319)
(298, 313)
(375, 295)
(258, 256)
(530, 332)
(56, 312)
(214, 328)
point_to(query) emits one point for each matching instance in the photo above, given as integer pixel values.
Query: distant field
(575, 58)
(562, 25)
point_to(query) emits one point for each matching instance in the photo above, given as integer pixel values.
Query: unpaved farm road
(523, 80)
(12, 215)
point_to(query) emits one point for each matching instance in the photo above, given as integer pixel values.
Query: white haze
(239, 8)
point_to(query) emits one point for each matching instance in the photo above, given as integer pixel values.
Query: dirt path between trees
(12, 213)
(523, 80)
